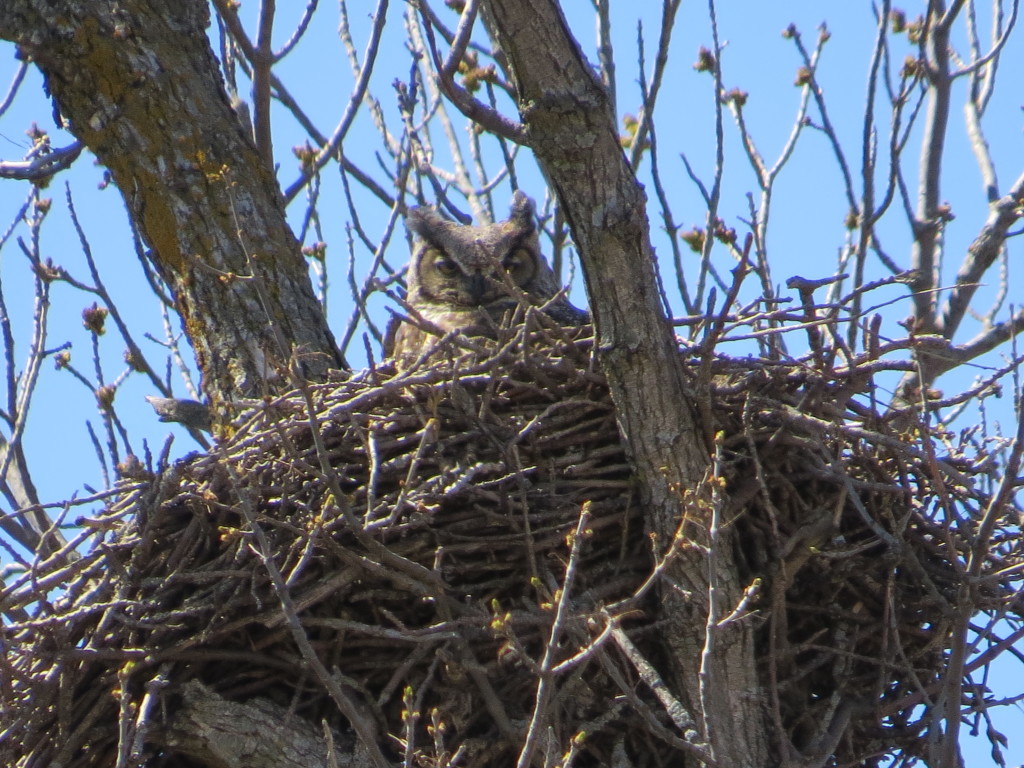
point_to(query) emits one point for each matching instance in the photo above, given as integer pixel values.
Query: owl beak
(479, 285)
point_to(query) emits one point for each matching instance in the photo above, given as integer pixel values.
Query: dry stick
(26, 385)
(674, 708)
(371, 282)
(373, 470)
(713, 197)
(77, 738)
(590, 650)
(837, 712)
(468, 105)
(640, 707)
(712, 333)
(711, 689)
(805, 288)
(822, 749)
(967, 594)
(428, 438)
(99, 288)
(361, 723)
(149, 700)
(229, 15)
(545, 679)
(979, 91)
(662, 564)
(300, 30)
(922, 695)
(671, 228)
(997, 45)
(650, 94)
(824, 428)
(308, 549)
(461, 180)
(331, 148)
(492, 701)
(869, 155)
(19, 76)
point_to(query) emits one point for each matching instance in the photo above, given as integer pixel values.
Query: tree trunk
(571, 129)
(138, 83)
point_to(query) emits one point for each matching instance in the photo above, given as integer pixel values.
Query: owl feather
(470, 279)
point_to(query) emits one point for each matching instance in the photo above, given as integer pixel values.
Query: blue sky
(805, 237)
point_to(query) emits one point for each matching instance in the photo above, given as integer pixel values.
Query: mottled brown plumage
(472, 278)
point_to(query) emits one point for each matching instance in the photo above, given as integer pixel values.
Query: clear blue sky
(805, 238)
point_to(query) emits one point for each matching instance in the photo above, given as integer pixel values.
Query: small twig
(546, 675)
(469, 106)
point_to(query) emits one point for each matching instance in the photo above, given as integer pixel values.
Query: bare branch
(300, 30)
(12, 91)
(605, 50)
(331, 147)
(475, 110)
(43, 165)
(981, 254)
(927, 222)
(650, 90)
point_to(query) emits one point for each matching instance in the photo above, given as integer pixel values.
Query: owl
(472, 278)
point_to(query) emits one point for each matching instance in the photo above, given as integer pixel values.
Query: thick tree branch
(572, 131)
(981, 254)
(259, 734)
(261, 64)
(928, 221)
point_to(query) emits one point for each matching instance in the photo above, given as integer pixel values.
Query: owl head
(471, 267)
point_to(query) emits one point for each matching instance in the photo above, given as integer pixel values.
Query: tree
(138, 85)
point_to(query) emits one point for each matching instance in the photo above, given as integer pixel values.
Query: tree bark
(137, 82)
(571, 129)
(260, 734)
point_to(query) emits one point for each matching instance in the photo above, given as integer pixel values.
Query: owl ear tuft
(523, 209)
(423, 220)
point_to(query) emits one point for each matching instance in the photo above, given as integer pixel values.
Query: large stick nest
(417, 529)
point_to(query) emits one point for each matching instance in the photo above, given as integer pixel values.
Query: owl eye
(446, 266)
(516, 259)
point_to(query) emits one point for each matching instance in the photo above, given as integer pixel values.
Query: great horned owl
(459, 277)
